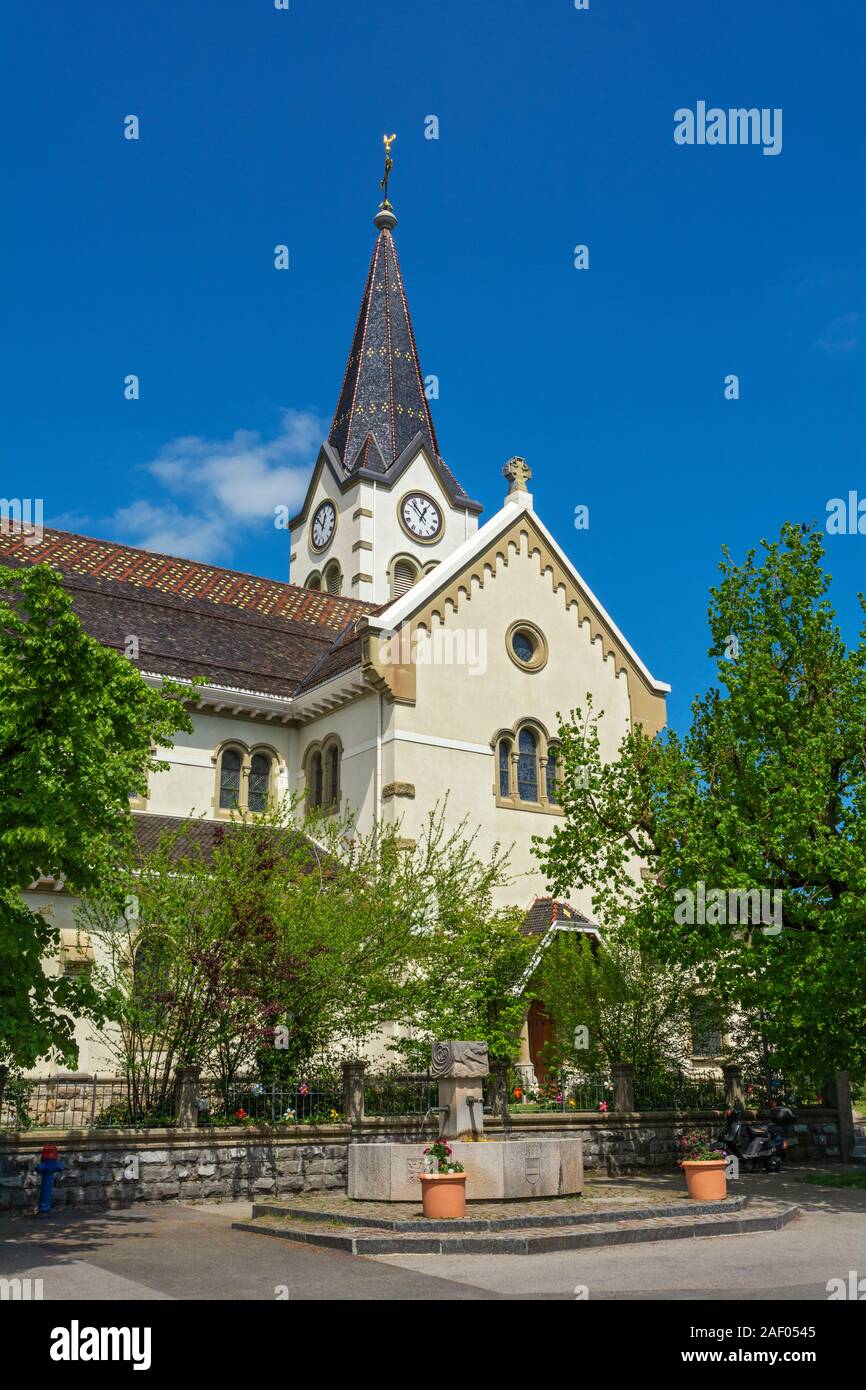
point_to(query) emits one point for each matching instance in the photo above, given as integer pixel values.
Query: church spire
(382, 405)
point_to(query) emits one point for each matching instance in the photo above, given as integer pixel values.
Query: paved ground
(192, 1252)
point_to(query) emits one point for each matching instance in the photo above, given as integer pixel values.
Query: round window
(526, 646)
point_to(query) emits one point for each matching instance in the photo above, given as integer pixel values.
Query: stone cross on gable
(518, 473)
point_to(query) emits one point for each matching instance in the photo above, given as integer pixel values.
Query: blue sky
(556, 128)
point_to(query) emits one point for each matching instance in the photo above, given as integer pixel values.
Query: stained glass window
(333, 774)
(260, 781)
(527, 766)
(552, 783)
(230, 779)
(523, 646)
(504, 767)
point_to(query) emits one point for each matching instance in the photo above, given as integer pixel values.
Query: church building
(418, 651)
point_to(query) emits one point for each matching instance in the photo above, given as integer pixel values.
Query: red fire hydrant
(48, 1165)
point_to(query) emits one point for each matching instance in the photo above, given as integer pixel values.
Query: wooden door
(540, 1029)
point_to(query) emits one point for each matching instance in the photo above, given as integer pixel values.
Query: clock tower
(381, 508)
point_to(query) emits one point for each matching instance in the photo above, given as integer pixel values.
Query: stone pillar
(733, 1074)
(460, 1068)
(840, 1095)
(186, 1081)
(353, 1092)
(463, 1103)
(622, 1074)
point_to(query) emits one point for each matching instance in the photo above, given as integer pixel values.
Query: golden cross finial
(387, 141)
(518, 473)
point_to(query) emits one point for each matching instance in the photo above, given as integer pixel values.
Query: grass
(836, 1179)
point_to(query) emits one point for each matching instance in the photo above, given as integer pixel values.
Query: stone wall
(650, 1139)
(124, 1167)
(120, 1168)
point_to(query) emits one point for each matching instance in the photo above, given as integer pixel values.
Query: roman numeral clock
(324, 522)
(421, 517)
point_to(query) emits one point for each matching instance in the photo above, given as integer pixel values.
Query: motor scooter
(757, 1145)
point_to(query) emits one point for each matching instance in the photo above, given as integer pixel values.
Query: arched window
(150, 978)
(333, 773)
(259, 782)
(404, 573)
(315, 782)
(332, 577)
(322, 762)
(230, 779)
(552, 774)
(527, 765)
(528, 768)
(314, 580)
(245, 779)
(505, 767)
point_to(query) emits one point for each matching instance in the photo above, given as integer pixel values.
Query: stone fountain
(497, 1167)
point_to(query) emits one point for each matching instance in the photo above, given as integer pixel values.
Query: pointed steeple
(382, 405)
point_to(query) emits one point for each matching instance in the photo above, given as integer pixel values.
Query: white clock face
(323, 525)
(421, 516)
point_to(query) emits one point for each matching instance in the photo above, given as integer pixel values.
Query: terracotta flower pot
(706, 1179)
(443, 1195)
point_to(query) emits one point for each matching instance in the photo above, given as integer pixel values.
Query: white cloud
(170, 531)
(212, 484)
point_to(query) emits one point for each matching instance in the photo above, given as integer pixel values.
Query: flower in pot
(443, 1188)
(705, 1167)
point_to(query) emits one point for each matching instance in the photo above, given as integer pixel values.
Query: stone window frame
(402, 558)
(541, 653)
(331, 796)
(247, 752)
(331, 567)
(544, 744)
(309, 584)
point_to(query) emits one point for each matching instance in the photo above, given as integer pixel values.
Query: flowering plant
(696, 1148)
(602, 1107)
(440, 1154)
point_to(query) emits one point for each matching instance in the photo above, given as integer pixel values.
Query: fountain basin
(498, 1169)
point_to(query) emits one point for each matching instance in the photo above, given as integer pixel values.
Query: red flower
(517, 1093)
(240, 1114)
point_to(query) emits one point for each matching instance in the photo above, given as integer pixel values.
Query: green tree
(764, 792)
(77, 730)
(632, 1007)
(297, 940)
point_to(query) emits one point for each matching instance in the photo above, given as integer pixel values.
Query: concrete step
(620, 1228)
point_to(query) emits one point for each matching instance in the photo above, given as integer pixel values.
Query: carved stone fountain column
(460, 1068)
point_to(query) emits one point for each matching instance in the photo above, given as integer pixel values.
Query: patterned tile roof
(382, 399)
(235, 629)
(383, 413)
(548, 912)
